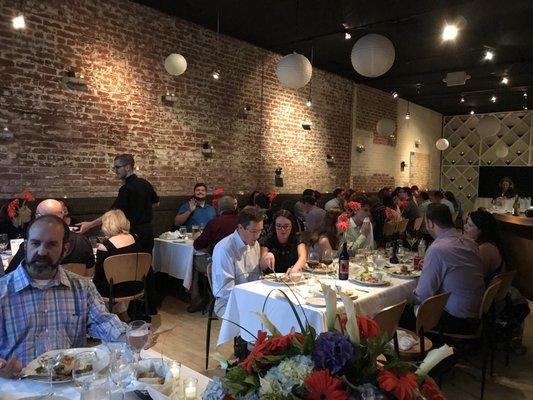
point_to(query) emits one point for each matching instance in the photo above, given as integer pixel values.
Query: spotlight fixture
(394, 95)
(493, 99)
(505, 80)
(407, 114)
(418, 88)
(449, 32)
(347, 36)
(462, 99)
(19, 22)
(525, 95)
(489, 55)
(309, 103)
(471, 112)
(525, 107)
(216, 75)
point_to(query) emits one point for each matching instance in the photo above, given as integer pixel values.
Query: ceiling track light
(471, 112)
(449, 32)
(407, 114)
(394, 95)
(505, 80)
(525, 95)
(462, 99)
(493, 99)
(347, 36)
(489, 55)
(418, 88)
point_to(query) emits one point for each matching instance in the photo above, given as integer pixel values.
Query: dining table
(19, 389)
(264, 296)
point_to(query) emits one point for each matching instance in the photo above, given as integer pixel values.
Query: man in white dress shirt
(236, 257)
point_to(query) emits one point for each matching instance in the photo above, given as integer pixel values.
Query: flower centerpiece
(338, 364)
(18, 212)
(344, 222)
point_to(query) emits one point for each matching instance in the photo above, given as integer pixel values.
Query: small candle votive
(189, 388)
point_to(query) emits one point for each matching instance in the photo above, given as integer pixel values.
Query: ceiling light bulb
(471, 112)
(505, 80)
(525, 107)
(19, 22)
(525, 95)
(407, 115)
(308, 103)
(394, 95)
(449, 32)
(489, 55)
(462, 99)
(347, 36)
(216, 75)
(493, 99)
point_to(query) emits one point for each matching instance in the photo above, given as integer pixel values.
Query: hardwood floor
(185, 342)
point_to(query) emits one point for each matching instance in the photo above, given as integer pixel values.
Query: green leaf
(269, 325)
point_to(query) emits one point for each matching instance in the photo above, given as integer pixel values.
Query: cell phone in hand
(74, 228)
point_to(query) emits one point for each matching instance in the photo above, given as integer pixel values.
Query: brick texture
(419, 170)
(372, 183)
(373, 105)
(64, 139)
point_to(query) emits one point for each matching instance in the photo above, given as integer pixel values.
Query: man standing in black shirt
(135, 198)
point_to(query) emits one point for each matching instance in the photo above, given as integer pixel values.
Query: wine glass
(327, 256)
(137, 336)
(84, 370)
(121, 368)
(4, 242)
(312, 259)
(48, 341)
(411, 239)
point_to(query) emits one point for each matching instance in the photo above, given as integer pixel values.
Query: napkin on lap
(405, 340)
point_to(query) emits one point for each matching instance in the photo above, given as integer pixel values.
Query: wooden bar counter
(517, 237)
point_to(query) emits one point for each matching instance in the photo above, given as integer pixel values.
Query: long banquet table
(249, 298)
(14, 389)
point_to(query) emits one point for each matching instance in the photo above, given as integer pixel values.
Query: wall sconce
(73, 79)
(306, 126)
(360, 148)
(278, 177)
(169, 98)
(5, 133)
(330, 159)
(207, 150)
(402, 166)
(418, 142)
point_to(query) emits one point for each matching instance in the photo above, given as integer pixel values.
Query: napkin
(161, 368)
(405, 340)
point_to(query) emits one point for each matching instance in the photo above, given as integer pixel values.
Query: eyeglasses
(283, 227)
(117, 167)
(256, 232)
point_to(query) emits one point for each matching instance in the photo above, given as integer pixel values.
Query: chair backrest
(77, 268)
(488, 298)
(127, 267)
(418, 223)
(209, 272)
(506, 280)
(402, 226)
(389, 228)
(389, 317)
(430, 311)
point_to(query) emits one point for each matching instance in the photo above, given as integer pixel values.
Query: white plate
(178, 240)
(320, 301)
(363, 283)
(413, 275)
(31, 368)
(279, 278)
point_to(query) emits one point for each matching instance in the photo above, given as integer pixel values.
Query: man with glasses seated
(135, 198)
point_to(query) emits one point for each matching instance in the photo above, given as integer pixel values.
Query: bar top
(512, 219)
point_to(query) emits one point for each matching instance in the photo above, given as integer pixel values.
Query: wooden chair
(389, 228)
(211, 316)
(388, 320)
(505, 279)
(77, 268)
(417, 224)
(402, 226)
(129, 268)
(486, 304)
(427, 318)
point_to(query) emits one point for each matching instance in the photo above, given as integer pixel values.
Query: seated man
(452, 264)
(410, 212)
(338, 200)
(438, 198)
(236, 257)
(40, 296)
(79, 250)
(360, 234)
(299, 206)
(314, 216)
(215, 230)
(196, 212)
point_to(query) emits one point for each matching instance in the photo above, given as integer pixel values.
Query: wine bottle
(516, 206)
(344, 263)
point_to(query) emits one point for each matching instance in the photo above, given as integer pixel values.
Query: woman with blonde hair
(116, 229)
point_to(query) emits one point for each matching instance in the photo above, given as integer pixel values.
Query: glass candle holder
(190, 388)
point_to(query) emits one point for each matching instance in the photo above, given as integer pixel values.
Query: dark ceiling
(414, 27)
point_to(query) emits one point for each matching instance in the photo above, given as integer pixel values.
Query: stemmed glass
(84, 371)
(411, 239)
(137, 336)
(4, 242)
(48, 341)
(121, 368)
(312, 259)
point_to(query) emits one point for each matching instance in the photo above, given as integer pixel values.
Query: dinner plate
(413, 275)
(320, 301)
(364, 283)
(320, 271)
(279, 278)
(32, 367)
(178, 240)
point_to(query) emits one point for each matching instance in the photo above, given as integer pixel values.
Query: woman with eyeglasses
(281, 250)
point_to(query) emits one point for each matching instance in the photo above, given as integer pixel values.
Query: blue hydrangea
(214, 390)
(333, 351)
(288, 373)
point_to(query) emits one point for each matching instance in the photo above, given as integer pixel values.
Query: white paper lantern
(502, 151)
(488, 126)
(442, 144)
(385, 127)
(175, 64)
(373, 55)
(294, 71)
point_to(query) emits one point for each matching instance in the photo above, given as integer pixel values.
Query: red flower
(402, 385)
(27, 196)
(12, 208)
(214, 202)
(354, 205)
(322, 386)
(281, 343)
(259, 350)
(368, 328)
(343, 226)
(272, 196)
(343, 217)
(431, 391)
(218, 191)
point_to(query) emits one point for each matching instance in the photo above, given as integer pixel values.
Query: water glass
(4, 242)
(137, 336)
(183, 231)
(48, 341)
(84, 370)
(121, 368)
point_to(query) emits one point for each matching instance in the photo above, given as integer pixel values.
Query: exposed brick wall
(373, 105)
(419, 170)
(372, 183)
(64, 139)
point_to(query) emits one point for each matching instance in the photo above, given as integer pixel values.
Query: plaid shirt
(68, 302)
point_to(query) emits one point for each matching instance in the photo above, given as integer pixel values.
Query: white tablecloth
(174, 259)
(19, 389)
(247, 299)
